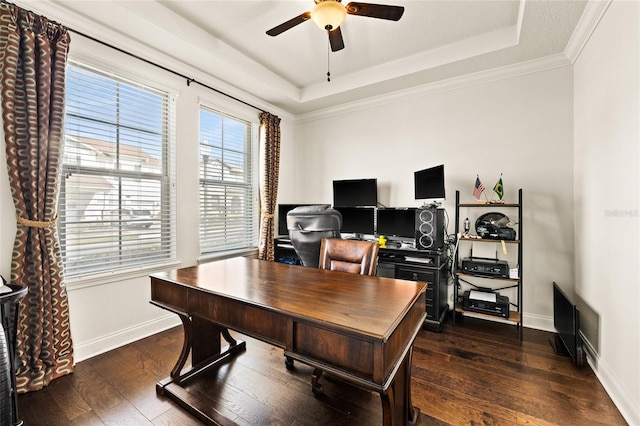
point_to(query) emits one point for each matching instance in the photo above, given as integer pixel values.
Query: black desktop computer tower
(429, 228)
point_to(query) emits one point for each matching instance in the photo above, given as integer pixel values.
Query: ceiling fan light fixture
(328, 14)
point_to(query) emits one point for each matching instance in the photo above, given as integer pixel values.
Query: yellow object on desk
(382, 241)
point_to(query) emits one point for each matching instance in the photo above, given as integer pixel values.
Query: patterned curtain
(270, 156)
(33, 55)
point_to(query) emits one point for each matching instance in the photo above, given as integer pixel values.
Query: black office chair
(307, 226)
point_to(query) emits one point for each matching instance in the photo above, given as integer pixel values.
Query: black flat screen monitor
(355, 193)
(429, 183)
(357, 220)
(397, 222)
(566, 321)
(283, 209)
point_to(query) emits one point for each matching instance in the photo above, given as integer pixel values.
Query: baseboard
(112, 341)
(620, 396)
(538, 322)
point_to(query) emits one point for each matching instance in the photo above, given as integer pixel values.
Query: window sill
(251, 252)
(91, 280)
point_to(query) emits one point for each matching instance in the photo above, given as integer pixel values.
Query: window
(116, 198)
(228, 192)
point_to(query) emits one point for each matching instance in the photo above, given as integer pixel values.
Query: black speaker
(429, 228)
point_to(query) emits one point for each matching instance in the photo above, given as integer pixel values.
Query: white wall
(520, 126)
(607, 186)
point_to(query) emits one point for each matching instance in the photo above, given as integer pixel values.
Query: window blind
(228, 193)
(117, 197)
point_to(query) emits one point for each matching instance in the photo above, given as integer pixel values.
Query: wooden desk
(357, 327)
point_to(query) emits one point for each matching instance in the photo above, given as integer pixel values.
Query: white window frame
(165, 234)
(208, 251)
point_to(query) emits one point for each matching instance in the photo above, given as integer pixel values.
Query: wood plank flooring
(477, 372)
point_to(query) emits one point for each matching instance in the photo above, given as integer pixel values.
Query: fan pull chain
(328, 61)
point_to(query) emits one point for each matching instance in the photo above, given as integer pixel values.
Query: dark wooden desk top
(358, 327)
(371, 306)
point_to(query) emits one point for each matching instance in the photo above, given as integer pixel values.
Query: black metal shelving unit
(515, 314)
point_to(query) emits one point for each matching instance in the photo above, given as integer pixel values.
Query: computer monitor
(429, 183)
(566, 321)
(357, 220)
(355, 193)
(397, 222)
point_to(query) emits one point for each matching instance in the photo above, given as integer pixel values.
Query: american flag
(478, 189)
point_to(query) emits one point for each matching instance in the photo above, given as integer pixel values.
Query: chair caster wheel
(288, 363)
(317, 389)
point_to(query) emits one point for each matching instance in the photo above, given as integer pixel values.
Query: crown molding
(471, 47)
(587, 24)
(528, 67)
(78, 22)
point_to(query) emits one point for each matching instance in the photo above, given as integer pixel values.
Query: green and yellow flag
(498, 189)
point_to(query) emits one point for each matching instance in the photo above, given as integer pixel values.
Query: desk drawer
(348, 353)
(169, 295)
(430, 311)
(413, 274)
(266, 325)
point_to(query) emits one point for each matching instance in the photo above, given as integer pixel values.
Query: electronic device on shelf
(397, 222)
(399, 255)
(355, 193)
(285, 243)
(430, 228)
(495, 226)
(566, 321)
(357, 220)
(485, 267)
(486, 302)
(429, 184)
(423, 260)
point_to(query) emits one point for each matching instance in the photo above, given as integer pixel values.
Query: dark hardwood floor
(478, 372)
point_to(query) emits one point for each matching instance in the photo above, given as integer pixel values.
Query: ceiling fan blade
(381, 11)
(335, 39)
(279, 29)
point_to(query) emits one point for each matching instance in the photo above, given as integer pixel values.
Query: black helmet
(494, 226)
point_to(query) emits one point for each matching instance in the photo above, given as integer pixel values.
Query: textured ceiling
(434, 41)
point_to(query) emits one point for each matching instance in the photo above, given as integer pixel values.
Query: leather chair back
(358, 257)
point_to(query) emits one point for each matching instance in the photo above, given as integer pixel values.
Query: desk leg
(186, 346)
(202, 340)
(397, 408)
(316, 387)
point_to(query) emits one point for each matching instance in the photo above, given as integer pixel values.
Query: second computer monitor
(357, 220)
(397, 222)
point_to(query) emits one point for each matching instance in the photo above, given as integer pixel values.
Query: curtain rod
(187, 78)
(133, 55)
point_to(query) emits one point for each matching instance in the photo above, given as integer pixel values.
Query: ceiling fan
(329, 14)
